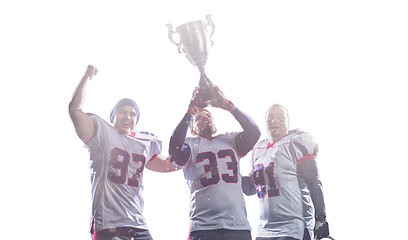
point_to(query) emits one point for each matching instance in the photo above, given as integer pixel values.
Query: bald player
(118, 157)
(211, 168)
(286, 177)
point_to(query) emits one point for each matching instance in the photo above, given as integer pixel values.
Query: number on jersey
(120, 159)
(262, 188)
(212, 167)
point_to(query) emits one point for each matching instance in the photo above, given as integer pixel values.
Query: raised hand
(221, 101)
(90, 72)
(196, 104)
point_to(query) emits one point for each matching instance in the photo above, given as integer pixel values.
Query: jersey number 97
(123, 166)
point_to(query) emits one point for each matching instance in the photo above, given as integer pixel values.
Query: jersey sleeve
(99, 129)
(304, 147)
(155, 146)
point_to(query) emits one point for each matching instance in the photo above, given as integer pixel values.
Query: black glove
(321, 229)
(248, 186)
(221, 101)
(195, 104)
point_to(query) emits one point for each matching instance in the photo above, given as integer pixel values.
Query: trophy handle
(210, 23)
(170, 35)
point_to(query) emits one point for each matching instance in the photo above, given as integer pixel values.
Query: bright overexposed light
(339, 68)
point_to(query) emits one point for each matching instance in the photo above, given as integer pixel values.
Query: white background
(340, 68)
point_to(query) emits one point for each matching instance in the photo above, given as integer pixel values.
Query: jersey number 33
(211, 160)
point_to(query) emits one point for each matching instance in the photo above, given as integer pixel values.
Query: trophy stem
(205, 81)
(201, 69)
(207, 91)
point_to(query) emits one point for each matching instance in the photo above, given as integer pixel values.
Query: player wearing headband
(118, 156)
(211, 168)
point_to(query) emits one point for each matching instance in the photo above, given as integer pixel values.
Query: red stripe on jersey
(305, 158)
(153, 157)
(189, 231)
(267, 146)
(133, 135)
(93, 230)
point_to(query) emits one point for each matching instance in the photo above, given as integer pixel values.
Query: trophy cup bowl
(195, 42)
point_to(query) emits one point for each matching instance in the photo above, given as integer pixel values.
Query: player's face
(277, 123)
(125, 120)
(203, 124)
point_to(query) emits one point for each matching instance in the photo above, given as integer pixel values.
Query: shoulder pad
(261, 144)
(306, 139)
(145, 136)
(229, 134)
(226, 135)
(299, 135)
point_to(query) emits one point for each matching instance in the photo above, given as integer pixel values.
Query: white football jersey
(284, 198)
(117, 163)
(213, 175)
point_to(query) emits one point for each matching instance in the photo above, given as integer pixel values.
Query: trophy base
(207, 90)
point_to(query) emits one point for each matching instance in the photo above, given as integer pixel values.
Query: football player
(211, 168)
(118, 156)
(287, 182)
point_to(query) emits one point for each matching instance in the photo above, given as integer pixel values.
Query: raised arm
(178, 149)
(83, 123)
(246, 139)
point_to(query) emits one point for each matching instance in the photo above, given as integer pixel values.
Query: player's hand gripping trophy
(194, 43)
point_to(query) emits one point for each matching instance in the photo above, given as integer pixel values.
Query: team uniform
(117, 163)
(212, 173)
(211, 168)
(286, 206)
